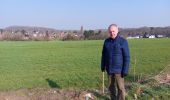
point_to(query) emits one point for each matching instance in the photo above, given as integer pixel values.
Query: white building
(135, 37)
(160, 36)
(152, 36)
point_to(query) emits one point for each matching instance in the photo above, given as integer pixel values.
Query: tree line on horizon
(19, 33)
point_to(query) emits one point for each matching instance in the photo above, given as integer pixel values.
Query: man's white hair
(115, 25)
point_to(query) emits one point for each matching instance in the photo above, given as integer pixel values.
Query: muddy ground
(49, 94)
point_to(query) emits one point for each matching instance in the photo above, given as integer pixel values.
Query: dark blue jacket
(115, 56)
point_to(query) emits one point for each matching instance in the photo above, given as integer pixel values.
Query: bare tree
(1, 31)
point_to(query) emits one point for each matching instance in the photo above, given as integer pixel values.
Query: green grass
(71, 64)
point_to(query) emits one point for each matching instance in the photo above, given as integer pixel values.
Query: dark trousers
(116, 87)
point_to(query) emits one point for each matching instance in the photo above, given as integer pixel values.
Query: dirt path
(164, 76)
(47, 94)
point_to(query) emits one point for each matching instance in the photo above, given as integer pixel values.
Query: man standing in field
(115, 60)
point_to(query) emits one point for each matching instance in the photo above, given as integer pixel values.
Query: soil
(164, 76)
(163, 79)
(45, 94)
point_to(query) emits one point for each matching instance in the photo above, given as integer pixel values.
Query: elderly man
(115, 60)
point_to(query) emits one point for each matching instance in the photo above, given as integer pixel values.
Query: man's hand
(123, 75)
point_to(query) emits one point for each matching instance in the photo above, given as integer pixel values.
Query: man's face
(113, 30)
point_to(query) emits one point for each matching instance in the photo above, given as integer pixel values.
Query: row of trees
(44, 34)
(22, 35)
(146, 30)
(95, 34)
(130, 32)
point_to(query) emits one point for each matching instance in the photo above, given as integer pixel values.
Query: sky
(91, 14)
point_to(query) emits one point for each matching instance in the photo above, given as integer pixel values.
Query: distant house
(146, 35)
(37, 32)
(140, 36)
(62, 34)
(133, 37)
(159, 36)
(152, 36)
(34, 35)
(26, 36)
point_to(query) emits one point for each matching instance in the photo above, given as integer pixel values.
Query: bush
(70, 37)
(12, 37)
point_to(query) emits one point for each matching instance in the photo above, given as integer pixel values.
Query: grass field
(72, 64)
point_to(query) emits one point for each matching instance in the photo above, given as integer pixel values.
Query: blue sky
(92, 14)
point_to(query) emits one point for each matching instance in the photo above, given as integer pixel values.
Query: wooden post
(102, 83)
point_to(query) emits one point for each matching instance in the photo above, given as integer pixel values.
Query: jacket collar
(114, 38)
